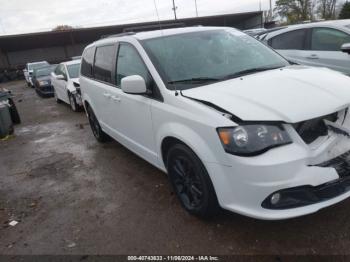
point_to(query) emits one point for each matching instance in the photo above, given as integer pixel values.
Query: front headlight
(252, 139)
(44, 83)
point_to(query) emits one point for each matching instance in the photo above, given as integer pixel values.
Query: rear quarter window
(87, 62)
(104, 62)
(289, 40)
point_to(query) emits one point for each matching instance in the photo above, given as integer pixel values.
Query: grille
(340, 163)
(312, 129)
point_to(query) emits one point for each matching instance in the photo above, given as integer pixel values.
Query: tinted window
(328, 39)
(130, 63)
(87, 61)
(291, 40)
(104, 60)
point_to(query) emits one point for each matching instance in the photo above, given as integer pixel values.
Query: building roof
(10, 43)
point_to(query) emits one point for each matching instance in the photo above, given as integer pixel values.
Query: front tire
(58, 101)
(100, 136)
(73, 104)
(191, 182)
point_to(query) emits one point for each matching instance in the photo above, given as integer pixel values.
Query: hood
(73, 84)
(75, 80)
(44, 78)
(291, 94)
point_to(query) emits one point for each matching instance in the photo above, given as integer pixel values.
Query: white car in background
(29, 69)
(65, 81)
(322, 44)
(231, 122)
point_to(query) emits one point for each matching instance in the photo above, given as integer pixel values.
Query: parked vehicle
(76, 57)
(255, 31)
(41, 79)
(324, 44)
(231, 122)
(28, 71)
(65, 80)
(8, 113)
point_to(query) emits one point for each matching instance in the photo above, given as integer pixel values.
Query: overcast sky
(24, 16)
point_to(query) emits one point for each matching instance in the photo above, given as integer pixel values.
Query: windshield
(45, 71)
(194, 59)
(37, 65)
(73, 70)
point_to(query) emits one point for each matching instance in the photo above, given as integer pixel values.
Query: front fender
(208, 150)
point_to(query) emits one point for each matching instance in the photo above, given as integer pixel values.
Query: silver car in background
(324, 44)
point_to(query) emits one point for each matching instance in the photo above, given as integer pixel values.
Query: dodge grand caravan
(230, 121)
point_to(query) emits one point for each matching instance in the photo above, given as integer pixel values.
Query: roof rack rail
(153, 27)
(116, 35)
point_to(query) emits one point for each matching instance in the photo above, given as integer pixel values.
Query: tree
(295, 10)
(326, 9)
(345, 11)
(62, 28)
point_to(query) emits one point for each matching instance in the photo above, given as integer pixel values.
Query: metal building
(57, 46)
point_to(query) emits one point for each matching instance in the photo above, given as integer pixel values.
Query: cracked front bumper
(294, 170)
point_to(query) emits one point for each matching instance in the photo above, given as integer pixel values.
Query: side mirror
(134, 85)
(345, 48)
(60, 77)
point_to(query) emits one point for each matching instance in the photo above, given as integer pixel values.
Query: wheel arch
(206, 150)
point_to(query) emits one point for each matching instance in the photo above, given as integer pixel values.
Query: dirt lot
(72, 195)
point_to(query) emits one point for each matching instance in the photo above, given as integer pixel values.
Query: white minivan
(230, 121)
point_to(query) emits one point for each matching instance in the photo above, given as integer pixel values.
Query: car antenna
(161, 31)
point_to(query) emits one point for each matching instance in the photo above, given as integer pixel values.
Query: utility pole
(174, 9)
(270, 10)
(195, 2)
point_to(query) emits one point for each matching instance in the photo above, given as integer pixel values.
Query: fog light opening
(275, 198)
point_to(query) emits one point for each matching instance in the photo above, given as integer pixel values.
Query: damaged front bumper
(288, 181)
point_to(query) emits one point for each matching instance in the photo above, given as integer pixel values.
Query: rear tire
(191, 182)
(100, 136)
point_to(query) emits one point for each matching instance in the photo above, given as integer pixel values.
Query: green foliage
(294, 10)
(345, 11)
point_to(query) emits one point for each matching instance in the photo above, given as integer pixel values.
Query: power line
(174, 9)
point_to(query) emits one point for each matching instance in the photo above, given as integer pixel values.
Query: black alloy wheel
(191, 182)
(96, 128)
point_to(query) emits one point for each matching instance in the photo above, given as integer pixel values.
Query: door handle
(313, 56)
(107, 95)
(116, 98)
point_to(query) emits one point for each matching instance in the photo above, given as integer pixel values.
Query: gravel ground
(72, 195)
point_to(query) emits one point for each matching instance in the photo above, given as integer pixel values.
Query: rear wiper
(249, 71)
(195, 79)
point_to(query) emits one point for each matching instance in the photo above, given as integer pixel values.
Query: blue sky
(24, 16)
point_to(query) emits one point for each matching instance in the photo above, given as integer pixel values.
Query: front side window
(104, 60)
(130, 63)
(73, 70)
(289, 41)
(87, 61)
(194, 59)
(328, 39)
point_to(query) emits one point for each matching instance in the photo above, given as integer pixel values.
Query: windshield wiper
(249, 71)
(194, 79)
